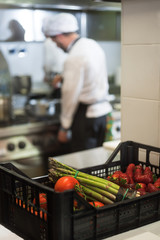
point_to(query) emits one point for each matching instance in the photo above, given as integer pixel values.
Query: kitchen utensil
(42, 107)
(5, 109)
(22, 84)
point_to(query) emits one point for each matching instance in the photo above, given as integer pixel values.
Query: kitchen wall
(140, 82)
(27, 57)
(112, 50)
(31, 61)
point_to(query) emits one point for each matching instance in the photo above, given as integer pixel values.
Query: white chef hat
(60, 23)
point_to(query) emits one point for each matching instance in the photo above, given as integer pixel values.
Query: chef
(85, 85)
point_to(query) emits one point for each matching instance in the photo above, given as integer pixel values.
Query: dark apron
(87, 132)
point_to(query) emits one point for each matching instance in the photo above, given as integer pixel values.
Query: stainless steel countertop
(87, 158)
(25, 128)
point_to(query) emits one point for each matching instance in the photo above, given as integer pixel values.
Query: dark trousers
(87, 132)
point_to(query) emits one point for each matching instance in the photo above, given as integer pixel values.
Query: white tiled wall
(140, 82)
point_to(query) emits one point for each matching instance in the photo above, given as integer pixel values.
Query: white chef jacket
(85, 81)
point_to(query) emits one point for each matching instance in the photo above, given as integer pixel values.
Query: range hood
(63, 4)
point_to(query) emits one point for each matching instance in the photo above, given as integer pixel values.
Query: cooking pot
(5, 109)
(42, 107)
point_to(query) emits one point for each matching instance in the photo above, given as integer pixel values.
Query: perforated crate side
(18, 213)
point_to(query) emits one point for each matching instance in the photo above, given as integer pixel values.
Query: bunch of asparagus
(93, 187)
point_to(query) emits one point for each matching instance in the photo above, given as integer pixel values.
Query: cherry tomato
(65, 183)
(96, 204)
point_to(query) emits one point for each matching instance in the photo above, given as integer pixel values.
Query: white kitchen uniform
(85, 81)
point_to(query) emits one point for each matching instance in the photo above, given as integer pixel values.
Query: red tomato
(65, 183)
(75, 201)
(42, 201)
(96, 204)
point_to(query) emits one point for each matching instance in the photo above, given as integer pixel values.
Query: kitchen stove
(28, 145)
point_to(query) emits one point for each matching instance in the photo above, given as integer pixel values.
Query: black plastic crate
(60, 222)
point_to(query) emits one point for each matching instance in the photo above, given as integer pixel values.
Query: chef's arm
(71, 89)
(57, 80)
(63, 135)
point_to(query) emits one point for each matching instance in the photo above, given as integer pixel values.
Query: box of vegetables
(82, 204)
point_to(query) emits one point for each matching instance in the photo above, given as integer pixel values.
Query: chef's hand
(57, 81)
(63, 136)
